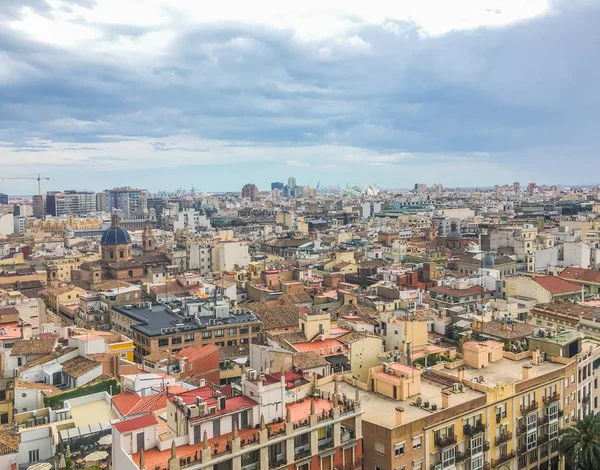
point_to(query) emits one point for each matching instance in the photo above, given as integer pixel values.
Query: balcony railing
(277, 463)
(325, 444)
(542, 421)
(503, 437)
(301, 453)
(469, 430)
(460, 457)
(585, 400)
(529, 408)
(551, 398)
(444, 442)
(503, 459)
(521, 430)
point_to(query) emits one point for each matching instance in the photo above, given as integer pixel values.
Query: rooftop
(556, 286)
(507, 371)
(153, 320)
(381, 410)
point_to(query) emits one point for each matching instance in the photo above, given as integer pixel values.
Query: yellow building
(58, 227)
(6, 402)
(314, 324)
(505, 413)
(364, 353)
(63, 265)
(55, 297)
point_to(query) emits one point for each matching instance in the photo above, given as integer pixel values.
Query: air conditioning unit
(194, 411)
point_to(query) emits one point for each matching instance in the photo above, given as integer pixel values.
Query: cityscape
(299, 235)
(300, 327)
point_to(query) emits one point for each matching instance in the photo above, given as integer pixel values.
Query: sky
(162, 94)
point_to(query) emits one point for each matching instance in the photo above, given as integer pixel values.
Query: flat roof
(507, 371)
(381, 410)
(563, 338)
(152, 321)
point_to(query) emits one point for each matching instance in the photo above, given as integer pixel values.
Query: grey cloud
(506, 91)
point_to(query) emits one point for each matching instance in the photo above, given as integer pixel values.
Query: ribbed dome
(115, 235)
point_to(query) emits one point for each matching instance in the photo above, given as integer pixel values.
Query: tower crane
(38, 178)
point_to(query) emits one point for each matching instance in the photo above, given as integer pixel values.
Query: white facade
(230, 254)
(28, 399)
(190, 219)
(7, 225)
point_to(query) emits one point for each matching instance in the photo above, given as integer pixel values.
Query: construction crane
(38, 178)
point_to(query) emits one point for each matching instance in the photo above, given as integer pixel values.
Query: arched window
(122, 254)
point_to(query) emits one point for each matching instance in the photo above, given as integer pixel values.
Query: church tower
(148, 240)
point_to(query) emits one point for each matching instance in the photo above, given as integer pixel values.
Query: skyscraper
(250, 191)
(292, 182)
(70, 202)
(3, 198)
(277, 185)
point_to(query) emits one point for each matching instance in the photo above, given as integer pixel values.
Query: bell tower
(148, 240)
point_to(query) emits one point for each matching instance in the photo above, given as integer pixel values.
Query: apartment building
(70, 202)
(491, 409)
(177, 325)
(261, 427)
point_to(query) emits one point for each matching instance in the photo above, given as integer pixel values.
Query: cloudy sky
(163, 94)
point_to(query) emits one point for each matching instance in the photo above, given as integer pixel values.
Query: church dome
(115, 235)
(488, 261)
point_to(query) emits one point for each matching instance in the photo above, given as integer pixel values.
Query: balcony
(551, 398)
(460, 457)
(504, 437)
(277, 463)
(503, 459)
(444, 442)
(585, 400)
(529, 408)
(302, 453)
(542, 421)
(521, 430)
(470, 431)
(325, 444)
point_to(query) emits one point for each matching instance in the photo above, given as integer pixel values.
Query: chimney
(535, 356)
(399, 416)
(461, 373)
(503, 327)
(526, 371)
(445, 399)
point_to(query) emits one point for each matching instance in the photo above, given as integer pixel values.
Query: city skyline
(157, 97)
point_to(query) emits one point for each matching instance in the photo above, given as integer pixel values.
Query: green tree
(580, 443)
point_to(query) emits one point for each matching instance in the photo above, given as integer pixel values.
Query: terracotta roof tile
(31, 346)
(555, 285)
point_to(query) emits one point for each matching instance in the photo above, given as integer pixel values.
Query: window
(163, 342)
(417, 442)
(379, 448)
(188, 338)
(19, 361)
(477, 444)
(219, 333)
(232, 332)
(418, 464)
(34, 455)
(399, 449)
(553, 430)
(448, 457)
(121, 254)
(477, 463)
(4, 418)
(130, 273)
(531, 441)
(206, 334)
(176, 340)
(573, 378)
